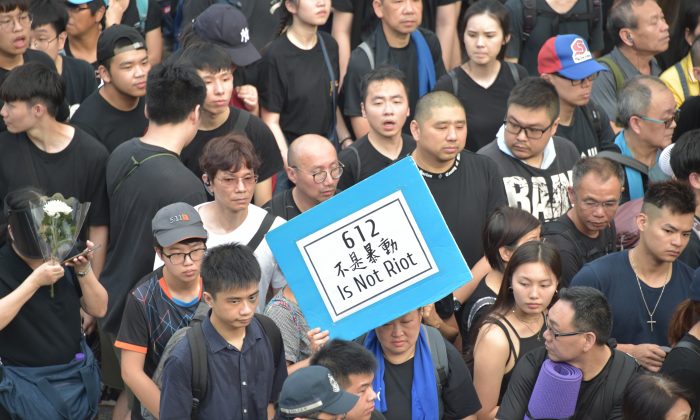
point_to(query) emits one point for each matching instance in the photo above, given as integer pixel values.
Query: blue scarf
(424, 398)
(634, 178)
(426, 66)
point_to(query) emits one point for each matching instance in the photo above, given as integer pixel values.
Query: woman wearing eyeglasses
(516, 323)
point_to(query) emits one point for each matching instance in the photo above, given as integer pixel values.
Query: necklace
(527, 325)
(651, 313)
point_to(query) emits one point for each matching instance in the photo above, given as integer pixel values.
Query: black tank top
(526, 345)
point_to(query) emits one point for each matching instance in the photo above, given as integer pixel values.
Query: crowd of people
(560, 141)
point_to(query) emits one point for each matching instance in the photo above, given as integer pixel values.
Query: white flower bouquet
(58, 221)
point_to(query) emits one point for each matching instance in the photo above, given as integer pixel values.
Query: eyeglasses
(320, 176)
(667, 123)
(43, 43)
(531, 132)
(232, 181)
(606, 205)
(579, 82)
(560, 334)
(7, 23)
(179, 257)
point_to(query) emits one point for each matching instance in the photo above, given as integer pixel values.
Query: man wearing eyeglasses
(534, 164)
(586, 232)
(647, 112)
(568, 65)
(315, 170)
(171, 292)
(578, 330)
(83, 29)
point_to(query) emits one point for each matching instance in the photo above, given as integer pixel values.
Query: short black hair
(229, 267)
(685, 155)
(344, 358)
(7, 6)
(34, 82)
(49, 12)
(380, 74)
(168, 81)
(206, 56)
(591, 311)
(536, 93)
(675, 195)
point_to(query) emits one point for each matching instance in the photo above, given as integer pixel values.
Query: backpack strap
(513, 68)
(529, 18)
(358, 168)
(683, 79)
(241, 121)
(273, 334)
(593, 117)
(623, 366)
(455, 83)
(334, 91)
(200, 369)
(438, 352)
(137, 164)
(262, 230)
(616, 71)
(687, 345)
(477, 307)
(364, 46)
(625, 160)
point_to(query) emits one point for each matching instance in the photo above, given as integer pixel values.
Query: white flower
(53, 208)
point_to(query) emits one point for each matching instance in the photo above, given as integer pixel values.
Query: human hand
(430, 316)
(248, 94)
(346, 143)
(650, 356)
(88, 322)
(115, 12)
(317, 338)
(81, 262)
(46, 274)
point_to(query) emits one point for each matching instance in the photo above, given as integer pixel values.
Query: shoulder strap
(455, 83)
(277, 206)
(616, 71)
(477, 307)
(370, 55)
(593, 117)
(142, 6)
(687, 345)
(241, 121)
(334, 91)
(200, 369)
(358, 168)
(511, 346)
(273, 334)
(682, 78)
(625, 160)
(622, 368)
(262, 230)
(529, 18)
(438, 352)
(137, 164)
(513, 71)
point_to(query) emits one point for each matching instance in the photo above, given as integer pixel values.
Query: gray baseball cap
(176, 222)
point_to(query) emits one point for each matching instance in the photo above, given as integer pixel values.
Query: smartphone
(85, 252)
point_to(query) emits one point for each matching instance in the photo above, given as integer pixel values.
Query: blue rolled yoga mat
(556, 392)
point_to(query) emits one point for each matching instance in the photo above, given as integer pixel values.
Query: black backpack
(530, 13)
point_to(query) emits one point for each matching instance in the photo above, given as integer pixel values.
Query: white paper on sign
(367, 256)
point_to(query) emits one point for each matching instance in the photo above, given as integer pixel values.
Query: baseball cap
(313, 389)
(569, 56)
(79, 2)
(226, 26)
(175, 223)
(107, 42)
(694, 294)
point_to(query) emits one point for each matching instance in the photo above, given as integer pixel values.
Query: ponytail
(686, 315)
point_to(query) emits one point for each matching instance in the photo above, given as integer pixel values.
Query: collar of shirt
(550, 152)
(217, 343)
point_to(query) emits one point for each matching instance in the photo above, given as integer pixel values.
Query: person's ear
(634, 125)
(377, 6)
(506, 39)
(61, 40)
(362, 109)
(104, 73)
(547, 77)
(415, 130)
(554, 127)
(590, 341)
(100, 13)
(505, 253)
(196, 114)
(291, 174)
(642, 221)
(694, 180)
(571, 195)
(626, 36)
(208, 298)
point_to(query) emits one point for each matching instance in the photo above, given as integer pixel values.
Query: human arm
(248, 94)
(446, 31)
(479, 271)
(341, 30)
(263, 192)
(176, 393)
(115, 12)
(360, 126)
(98, 235)
(46, 274)
(317, 339)
(94, 299)
(431, 318)
(650, 356)
(272, 119)
(154, 45)
(604, 95)
(522, 382)
(459, 396)
(341, 130)
(513, 47)
(139, 383)
(491, 351)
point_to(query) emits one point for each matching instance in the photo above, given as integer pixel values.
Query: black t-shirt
(283, 205)
(478, 304)
(46, 330)
(583, 134)
(153, 17)
(80, 80)
(405, 59)
(76, 171)
(370, 162)
(466, 195)
(541, 192)
(691, 253)
(593, 402)
(257, 131)
(295, 84)
(485, 107)
(575, 248)
(67, 52)
(683, 366)
(458, 399)
(134, 200)
(689, 118)
(109, 125)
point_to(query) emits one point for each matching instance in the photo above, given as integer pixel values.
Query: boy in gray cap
(162, 302)
(313, 393)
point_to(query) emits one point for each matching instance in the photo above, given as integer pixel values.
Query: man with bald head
(466, 186)
(315, 170)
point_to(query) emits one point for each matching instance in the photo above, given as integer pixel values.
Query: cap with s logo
(569, 56)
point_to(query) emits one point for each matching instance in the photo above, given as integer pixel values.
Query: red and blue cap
(569, 56)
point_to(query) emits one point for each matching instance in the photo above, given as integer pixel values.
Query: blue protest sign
(370, 254)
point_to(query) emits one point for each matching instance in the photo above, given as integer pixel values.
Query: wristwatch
(457, 304)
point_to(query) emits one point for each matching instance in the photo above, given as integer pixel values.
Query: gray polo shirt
(604, 92)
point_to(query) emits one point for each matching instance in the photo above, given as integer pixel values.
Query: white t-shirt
(269, 270)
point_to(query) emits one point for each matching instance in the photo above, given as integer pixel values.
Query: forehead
(181, 246)
(529, 116)
(359, 379)
(243, 170)
(45, 29)
(239, 293)
(447, 113)
(318, 157)
(662, 99)
(129, 56)
(647, 10)
(561, 313)
(665, 216)
(594, 182)
(386, 87)
(209, 73)
(535, 271)
(483, 21)
(13, 12)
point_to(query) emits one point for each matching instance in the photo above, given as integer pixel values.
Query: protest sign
(369, 254)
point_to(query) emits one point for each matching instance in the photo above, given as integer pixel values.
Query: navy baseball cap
(312, 390)
(226, 26)
(569, 56)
